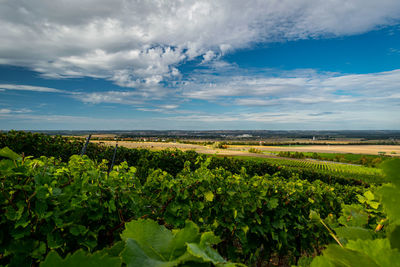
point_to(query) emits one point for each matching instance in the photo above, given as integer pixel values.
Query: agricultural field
(138, 207)
(390, 150)
(327, 166)
(393, 150)
(156, 145)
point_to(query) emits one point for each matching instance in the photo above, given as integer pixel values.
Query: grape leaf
(8, 153)
(204, 251)
(394, 237)
(354, 233)
(158, 242)
(80, 259)
(273, 203)
(378, 250)
(353, 215)
(392, 171)
(321, 261)
(390, 200)
(209, 196)
(338, 256)
(134, 256)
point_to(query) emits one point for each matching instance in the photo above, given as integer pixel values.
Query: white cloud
(140, 43)
(169, 106)
(7, 111)
(116, 97)
(305, 87)
(393, 51)
(304, 119)
(230, 87)
(18, 87)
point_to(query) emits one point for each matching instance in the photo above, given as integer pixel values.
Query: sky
(200, 65)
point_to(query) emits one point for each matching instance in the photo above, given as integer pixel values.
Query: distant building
(244, 136)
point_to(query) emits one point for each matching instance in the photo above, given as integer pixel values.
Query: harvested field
(393, 150)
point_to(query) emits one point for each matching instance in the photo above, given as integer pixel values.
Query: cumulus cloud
(139, 44)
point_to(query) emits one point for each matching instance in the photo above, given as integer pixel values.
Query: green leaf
(7, 167)
(77, 230)
(354, 233)
(378, 250)
(314, 216)
(54, 240)
(115, 250)
(353, 215)
(150, 244)
(134, 256)
(321, 261)
(394, 237)
(390, 200)
(80, 259)
(338, 256)
(273, 203)
(209, 196)
(374, 204)
(158, 242)
(204, 251)
(209, 239)
(392, 170)
(206, 254)
(8, 153)
(369, 195)
(151, 237)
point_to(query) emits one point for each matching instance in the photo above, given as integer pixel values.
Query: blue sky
(199, 65)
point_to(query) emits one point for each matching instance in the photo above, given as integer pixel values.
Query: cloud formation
(18, 87)
(301, 86)
(140, 44)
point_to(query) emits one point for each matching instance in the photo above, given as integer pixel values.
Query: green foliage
(365, 160)
(8, 153)
(288, 154)
(363, 246)
(343, 173)
(81, 259)
(172, 161)
(49, 205)
(220, 145)
(255, 150)
(148, 244)
(157, 242)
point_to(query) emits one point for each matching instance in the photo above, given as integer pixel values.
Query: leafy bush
(48, 205)
(358, 244)
(171, 161)
(255, 150)
(220, 145)
(145, 243)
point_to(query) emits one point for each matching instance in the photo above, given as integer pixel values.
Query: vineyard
(174, 208)
(353, 170)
